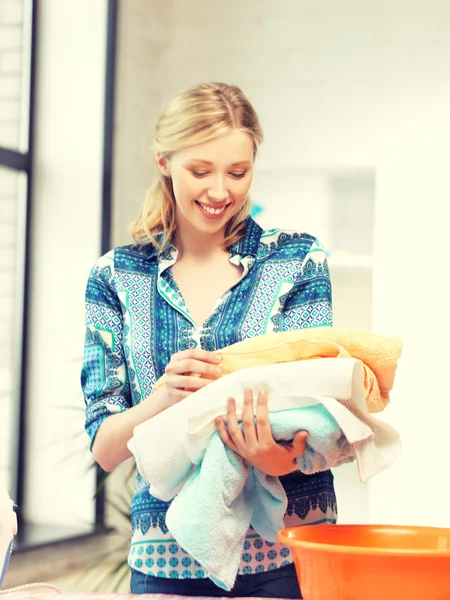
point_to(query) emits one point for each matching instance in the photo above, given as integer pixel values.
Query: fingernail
(218, 371)
(218, 358)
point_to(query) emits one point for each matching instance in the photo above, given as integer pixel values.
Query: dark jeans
(279, 583)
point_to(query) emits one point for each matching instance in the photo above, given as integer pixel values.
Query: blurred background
(354, 101)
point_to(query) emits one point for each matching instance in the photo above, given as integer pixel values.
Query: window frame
(22, 162)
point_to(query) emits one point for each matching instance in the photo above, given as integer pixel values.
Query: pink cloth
(50, 595)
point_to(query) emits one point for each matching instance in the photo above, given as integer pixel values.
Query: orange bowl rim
(366, 550)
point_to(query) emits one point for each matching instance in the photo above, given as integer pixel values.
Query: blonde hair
(194, 116)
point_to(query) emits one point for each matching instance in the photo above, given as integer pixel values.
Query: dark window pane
(12, 201)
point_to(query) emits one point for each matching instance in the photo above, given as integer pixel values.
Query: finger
(187, 382)
(233, 427)
(248, 420)
(263, 428)
(197, 354)
(190, 365)
(299, 443)
(226, 439)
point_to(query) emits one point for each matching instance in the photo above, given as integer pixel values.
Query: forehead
(229, 148)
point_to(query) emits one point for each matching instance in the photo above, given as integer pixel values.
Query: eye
(199, 173)
(239, 175)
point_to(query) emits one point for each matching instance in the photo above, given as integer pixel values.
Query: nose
(219, 193)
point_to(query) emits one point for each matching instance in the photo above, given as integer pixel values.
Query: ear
(163, 165)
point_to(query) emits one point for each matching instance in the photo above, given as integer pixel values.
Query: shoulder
(287, 243)
(131, 258)
(276, 243)
(286, 246)
(103, 268)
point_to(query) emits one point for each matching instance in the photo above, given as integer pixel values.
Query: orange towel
(378, 354)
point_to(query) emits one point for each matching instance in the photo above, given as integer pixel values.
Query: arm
(110, 417)
(110, 445)
(309, 303)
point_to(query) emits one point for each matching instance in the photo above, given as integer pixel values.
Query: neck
(192, 244)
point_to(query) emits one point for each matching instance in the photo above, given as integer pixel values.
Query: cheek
(185, 189)
(242, 189)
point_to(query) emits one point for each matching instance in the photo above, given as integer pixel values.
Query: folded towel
(379, 355)
(211, 515)
(168, 446)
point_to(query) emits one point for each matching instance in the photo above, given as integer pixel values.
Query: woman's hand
(181, 370)
(255, 443)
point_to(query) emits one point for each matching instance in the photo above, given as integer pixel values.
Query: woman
(200, 276)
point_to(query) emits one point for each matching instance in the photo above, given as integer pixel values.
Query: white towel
(169, 446)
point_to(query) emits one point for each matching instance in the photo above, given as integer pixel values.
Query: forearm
(110, 444)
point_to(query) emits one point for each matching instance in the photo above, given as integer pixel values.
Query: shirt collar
(247, 246)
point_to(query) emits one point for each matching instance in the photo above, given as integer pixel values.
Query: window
(16, 87)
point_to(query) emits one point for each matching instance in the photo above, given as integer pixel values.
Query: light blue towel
(211, 514)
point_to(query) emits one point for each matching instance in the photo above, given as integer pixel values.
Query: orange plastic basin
(370, 562)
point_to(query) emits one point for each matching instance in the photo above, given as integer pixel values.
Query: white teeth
(213, 211)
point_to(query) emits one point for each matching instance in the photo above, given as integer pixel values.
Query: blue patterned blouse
(136, 319)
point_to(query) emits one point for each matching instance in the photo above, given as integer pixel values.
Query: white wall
(143, 38)
(66, 242)
(344, 85)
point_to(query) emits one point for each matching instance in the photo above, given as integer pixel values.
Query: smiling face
(210, 181)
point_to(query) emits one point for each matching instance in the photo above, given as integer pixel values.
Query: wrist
(157, 402)
(286, 469)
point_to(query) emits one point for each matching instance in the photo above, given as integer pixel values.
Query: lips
(212, 212)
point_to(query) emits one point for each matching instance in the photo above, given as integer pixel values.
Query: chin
(210, 228)
(204, 226)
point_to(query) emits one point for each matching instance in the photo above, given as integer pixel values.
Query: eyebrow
(207, 162)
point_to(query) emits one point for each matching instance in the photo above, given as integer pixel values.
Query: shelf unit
(361, 261)
(336, 206)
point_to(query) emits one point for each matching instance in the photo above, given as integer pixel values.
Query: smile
(211, 210)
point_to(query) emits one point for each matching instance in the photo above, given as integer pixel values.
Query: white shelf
(349, 261)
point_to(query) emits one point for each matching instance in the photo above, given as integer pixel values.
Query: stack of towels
(326, 381)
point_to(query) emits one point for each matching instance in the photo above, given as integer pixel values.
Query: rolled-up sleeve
(104, 378)
(309, 303)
